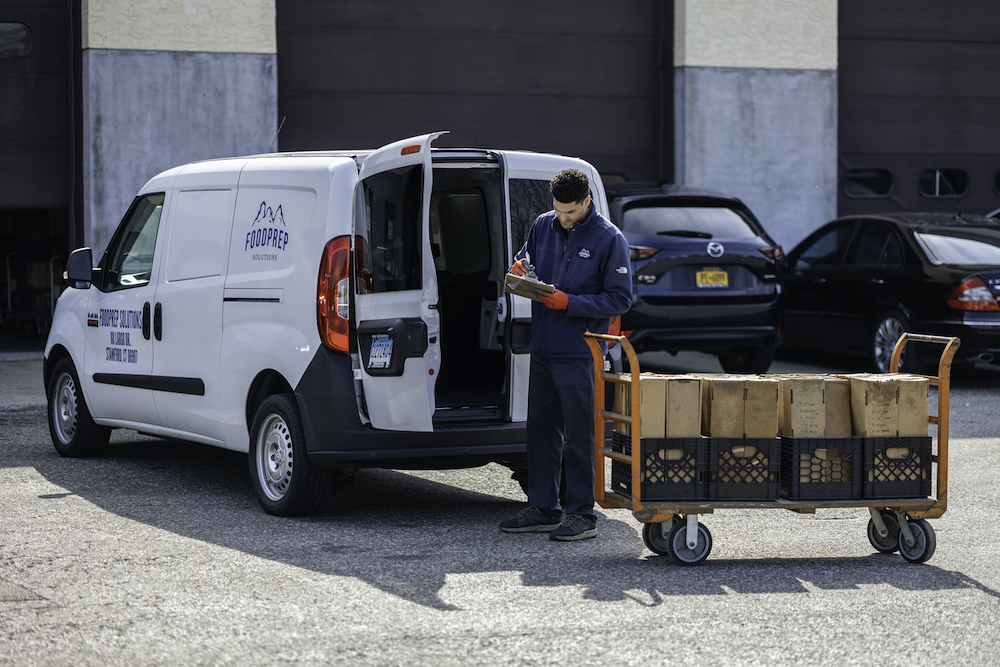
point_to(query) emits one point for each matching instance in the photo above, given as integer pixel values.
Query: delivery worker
(586, 258)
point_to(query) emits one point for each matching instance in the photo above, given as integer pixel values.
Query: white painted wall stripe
(219, 26)
(766, 34)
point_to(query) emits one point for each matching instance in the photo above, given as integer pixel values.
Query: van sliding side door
(396, 295)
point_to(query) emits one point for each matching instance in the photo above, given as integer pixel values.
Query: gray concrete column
(168, 82)
(755, 87)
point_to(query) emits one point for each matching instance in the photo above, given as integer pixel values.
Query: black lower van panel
(336, 438)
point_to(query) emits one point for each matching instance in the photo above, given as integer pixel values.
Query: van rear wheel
(285, 482)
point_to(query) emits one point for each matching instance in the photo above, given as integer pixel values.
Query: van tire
(285, 481)
(74, 432)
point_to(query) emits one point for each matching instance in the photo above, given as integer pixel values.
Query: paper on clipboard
(527, 286)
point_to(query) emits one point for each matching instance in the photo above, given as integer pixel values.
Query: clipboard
(528, 286)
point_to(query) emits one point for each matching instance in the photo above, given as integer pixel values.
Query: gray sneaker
(575, 527)
(530, 520)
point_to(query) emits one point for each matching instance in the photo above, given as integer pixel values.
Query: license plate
(381, 353)
(712, 278)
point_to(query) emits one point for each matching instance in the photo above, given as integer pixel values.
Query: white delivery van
(319, 311)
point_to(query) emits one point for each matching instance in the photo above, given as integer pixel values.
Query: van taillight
(333, 306)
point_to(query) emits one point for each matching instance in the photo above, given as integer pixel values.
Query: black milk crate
(744, 468)
(671, 468)
(822, 468)
(898, 467)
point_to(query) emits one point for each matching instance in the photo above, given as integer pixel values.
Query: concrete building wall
(167, 82)
(755, 87)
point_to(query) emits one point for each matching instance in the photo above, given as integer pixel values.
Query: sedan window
(876, 246)
(958, 251)
(687, 221)
(825, 250)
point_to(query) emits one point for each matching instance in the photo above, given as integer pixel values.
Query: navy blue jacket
(590, 262)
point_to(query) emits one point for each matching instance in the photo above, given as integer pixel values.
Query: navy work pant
(561, 410)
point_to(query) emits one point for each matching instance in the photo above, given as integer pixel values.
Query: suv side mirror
(80, 267)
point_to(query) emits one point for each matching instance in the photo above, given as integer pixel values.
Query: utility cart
(671, 527)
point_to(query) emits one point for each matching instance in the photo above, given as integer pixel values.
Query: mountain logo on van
(269, 235)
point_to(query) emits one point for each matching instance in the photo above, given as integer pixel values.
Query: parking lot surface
(159, 554)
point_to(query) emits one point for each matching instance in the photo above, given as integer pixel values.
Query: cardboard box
(739, 406)
(802, 409)
(760, 416)
(669, 405)
(683, 411)
(912, 399)
(652, 404)
(837, 401)
(874, 412)
(722, 406)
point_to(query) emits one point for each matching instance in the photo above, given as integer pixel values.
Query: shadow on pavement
(404, 534)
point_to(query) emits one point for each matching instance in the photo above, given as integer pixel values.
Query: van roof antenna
(282, 124)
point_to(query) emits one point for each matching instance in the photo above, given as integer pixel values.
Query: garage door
(34, 115)
(580, 78)
(918, 106)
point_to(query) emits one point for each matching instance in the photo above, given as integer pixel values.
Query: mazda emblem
(715, 249)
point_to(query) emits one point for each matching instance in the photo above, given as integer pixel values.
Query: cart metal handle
(943, 382)
(634, 420)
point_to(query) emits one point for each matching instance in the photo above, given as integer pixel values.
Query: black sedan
(858, 282)
(704, 274)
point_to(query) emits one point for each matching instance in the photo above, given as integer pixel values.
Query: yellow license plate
(712, 278)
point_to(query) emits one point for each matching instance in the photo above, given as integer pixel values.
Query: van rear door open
(396, 293)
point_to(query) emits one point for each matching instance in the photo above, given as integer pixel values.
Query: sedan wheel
(886, 331)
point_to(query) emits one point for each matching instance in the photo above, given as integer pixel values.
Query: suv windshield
(706, 222)
(959, 251)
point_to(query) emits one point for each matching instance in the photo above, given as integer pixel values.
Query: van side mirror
(80, 267)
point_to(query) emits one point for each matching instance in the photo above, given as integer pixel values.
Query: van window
(529, 198)
(391, 204)
(197, 242)
(128, 261)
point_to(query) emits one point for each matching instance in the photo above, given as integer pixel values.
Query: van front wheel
(285, 482)
(73, 430)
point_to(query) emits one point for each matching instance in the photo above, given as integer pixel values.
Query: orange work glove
(558, 300)
(520, 268)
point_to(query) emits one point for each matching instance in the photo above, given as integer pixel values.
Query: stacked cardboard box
(739, 406)
(669, 405)
(814, 406)
(890, 405)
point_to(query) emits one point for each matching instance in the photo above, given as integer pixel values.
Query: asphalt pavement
(158, 554)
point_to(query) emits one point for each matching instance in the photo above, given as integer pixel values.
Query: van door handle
(158, 321)
(145, 320)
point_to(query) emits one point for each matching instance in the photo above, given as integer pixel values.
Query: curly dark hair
(569, 186)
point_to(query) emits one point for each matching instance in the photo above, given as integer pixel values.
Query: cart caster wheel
(890, 543)
(655, 540)
(679, 550)
(925, 543)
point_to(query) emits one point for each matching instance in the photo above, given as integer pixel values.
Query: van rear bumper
(336, 438)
